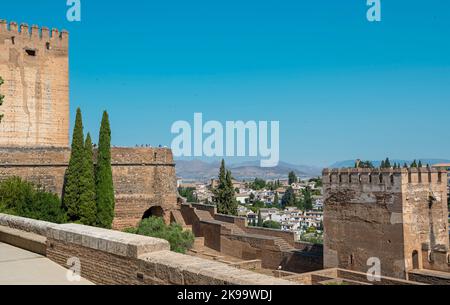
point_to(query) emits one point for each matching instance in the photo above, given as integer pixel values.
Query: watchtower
(35, 67)
(399, 216)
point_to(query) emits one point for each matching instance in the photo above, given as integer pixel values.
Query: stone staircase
(283, 245)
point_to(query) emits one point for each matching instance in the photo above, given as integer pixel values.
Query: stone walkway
(20, 267)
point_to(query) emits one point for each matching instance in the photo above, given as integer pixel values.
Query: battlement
(387, 176)
(33, 32)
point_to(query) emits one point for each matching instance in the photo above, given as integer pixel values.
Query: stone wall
(143, 177)
(384, 214)
(113, 257)
(35, 68)
(230, 236)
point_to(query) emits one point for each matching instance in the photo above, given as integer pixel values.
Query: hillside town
(291, 204)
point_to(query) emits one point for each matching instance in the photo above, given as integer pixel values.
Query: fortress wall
(143, 177)
(34, 64)
(383, 214)
(363, 219)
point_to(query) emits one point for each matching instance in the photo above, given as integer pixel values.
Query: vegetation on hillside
(188, 193)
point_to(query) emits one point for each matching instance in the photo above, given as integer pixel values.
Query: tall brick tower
(399, 216)
(34, 64)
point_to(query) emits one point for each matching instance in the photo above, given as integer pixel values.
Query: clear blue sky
(340, 86)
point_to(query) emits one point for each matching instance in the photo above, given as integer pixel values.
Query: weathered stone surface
(26, 224)
(35, 69)
(386, 214)
(114, 242)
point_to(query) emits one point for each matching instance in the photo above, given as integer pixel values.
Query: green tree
(420, 164)
(22, 198)
(88, 207)
(387, 163)
(188, 193)
(364, 164)
(72, 189)
(1, 98)
(270, 224)
(103, 176)
(292, 177)
(180, 241)
(224, 196)
(276, 199)
(258, 184)
(414, 164)
(260, 220)
(307, 199)
(289, 198)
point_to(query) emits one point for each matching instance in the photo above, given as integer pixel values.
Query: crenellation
(14, 27)
(35, 68)
(24, 30)
(402, 209)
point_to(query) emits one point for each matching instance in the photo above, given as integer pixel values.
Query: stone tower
(399, 216)
(35, 67)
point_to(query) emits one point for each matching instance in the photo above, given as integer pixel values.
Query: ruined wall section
(35, 67)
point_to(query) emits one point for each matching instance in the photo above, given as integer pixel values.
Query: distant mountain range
(351, 163)
(204, 171)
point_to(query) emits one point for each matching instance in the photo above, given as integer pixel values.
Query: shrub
(272, 224)
(21, 198)
(180, 241)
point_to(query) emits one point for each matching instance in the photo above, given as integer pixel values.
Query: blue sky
(341, 87)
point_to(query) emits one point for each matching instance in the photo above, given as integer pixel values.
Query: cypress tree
(224, 193)
(72, 190)
(276, 199)
(260, 221)
(230, 198)
(420, 164)
(103, 176)
(387, 163)
(88, 208)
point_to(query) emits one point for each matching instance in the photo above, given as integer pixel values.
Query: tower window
(30, 52)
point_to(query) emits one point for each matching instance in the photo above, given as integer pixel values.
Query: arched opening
(415, 259)
(155, 211)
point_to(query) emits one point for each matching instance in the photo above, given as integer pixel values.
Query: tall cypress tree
(72, 190)
(103, 176)
(260, 220)
(230, 198)
(88, 208)
(224, 193)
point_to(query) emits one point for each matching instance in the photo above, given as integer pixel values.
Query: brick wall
(143, 177)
